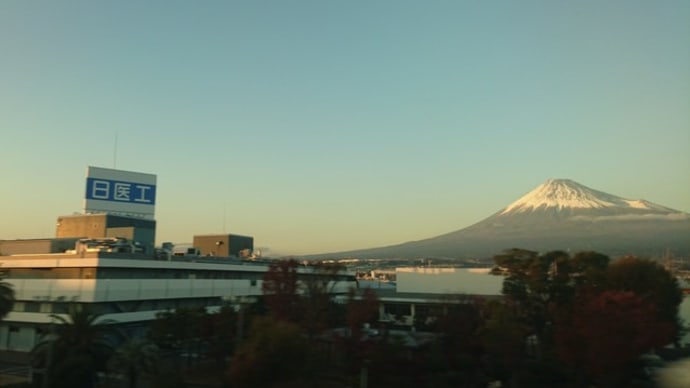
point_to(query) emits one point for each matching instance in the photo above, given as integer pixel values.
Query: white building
(428, 292)
(121, 287)
(105, 259)
(418, 290)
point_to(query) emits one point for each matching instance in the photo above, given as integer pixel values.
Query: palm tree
(76, 348)
(136, 357)
(6, 298)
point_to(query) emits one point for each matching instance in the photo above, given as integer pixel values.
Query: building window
(46, 308)
(31, 307)
(60, 308)
(398, 310)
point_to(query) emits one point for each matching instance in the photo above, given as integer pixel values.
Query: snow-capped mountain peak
(558, 215)
(568, 194)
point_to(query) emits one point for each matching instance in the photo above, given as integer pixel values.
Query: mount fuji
(559, 214)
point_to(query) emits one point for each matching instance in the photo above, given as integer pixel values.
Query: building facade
(100, 225)
(224, 245)
(420, 295)
(123, 288)
(106, 260)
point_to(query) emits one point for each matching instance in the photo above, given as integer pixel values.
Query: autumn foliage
(361, 310)
(274, 352)
(596, 318)
(280, 289)
(609, 331)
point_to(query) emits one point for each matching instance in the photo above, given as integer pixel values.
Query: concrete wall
(36, 246)
(223, 244)
(88, 226)
(111, 290)
(471, 281)
(108, 225)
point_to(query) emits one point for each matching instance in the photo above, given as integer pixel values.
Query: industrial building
(224, 245)
(428, 292)
(123, 287)
(105, 259)
(36, 245)
(100, 225)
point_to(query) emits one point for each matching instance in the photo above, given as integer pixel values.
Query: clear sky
(319, 126)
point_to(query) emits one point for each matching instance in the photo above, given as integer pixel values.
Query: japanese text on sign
(116, 191)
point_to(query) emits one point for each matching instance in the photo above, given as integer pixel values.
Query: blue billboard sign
(118, 191)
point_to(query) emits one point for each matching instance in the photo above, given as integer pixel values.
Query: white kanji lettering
(122, 191)
(143, 190)
(100, 189)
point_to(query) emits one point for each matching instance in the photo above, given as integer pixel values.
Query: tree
(221, 330)
(361, 309)
(178, 330)
(608, 332)
(274, 352)
(134, 358)
(280, 288)
(540, 290)
(652, 282)
(75, 349)
(319, 310)
(569, 304)
(459, 349)
(545, 285)
(534, 284)
(503, 336)
(6, 298)
(588, 269)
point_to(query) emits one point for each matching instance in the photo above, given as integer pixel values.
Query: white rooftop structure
(448, 281)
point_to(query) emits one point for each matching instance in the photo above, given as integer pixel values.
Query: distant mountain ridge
(558, 214)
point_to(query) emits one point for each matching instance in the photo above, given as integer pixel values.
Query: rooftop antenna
(115, 152)
(225, 214)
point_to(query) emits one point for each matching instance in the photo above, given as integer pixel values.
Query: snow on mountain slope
(568, 194)
(560, 214)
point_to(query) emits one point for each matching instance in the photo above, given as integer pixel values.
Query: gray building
(102, 225)
(224, 245)
(36, 245)
(125, 288)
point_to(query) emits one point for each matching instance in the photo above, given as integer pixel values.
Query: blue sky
(321, 126)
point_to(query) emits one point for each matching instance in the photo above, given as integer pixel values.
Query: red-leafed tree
(274, 355)
(360, 310)
(280, 288)
(652, 282)
(541, 286)
(503, 335)
(607, 332)
(220, 330)
(356, 345)
(318, 307)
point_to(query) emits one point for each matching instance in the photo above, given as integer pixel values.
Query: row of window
(116, 307)
(139, 273)
(124, 273)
